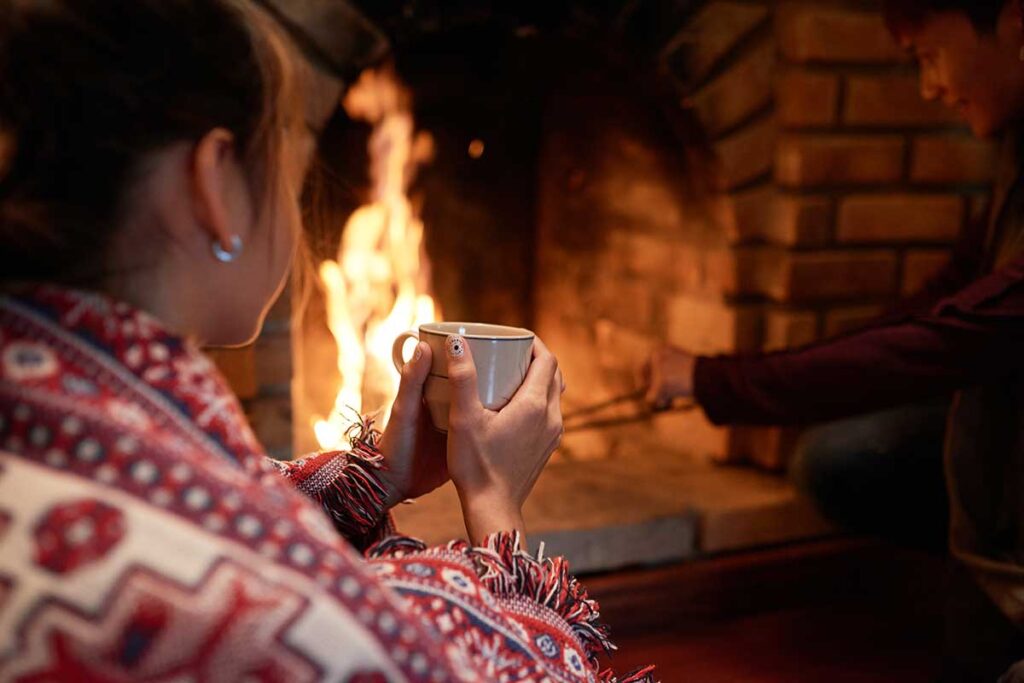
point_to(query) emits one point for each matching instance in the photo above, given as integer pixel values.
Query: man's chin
(984, 129)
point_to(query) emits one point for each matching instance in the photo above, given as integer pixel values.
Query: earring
(223, 255)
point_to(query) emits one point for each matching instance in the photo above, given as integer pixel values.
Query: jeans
(882, 475)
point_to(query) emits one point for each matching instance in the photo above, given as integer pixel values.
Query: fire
(379, 285)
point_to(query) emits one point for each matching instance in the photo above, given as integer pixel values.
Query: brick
(271, 420)
(732, 272)
(806, 98)
(585, 446)
(575, 346)
(691, 433)
(779, 218)
(783, 275)
(714, 32)
(919, 265)
(952, 159)
(744, 89)
(747, 154)
(626, 301)
(899, 218)
(706, 270)
(620, 348)
(810, 33)
(768, 448)
(785, 329)
(827, 275)
(816, 160)
(239, 369)
(642, 254)
(891, 100)
(273, 359)
(709, 326)
(846, 319)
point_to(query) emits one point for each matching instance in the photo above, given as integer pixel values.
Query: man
(963, 333)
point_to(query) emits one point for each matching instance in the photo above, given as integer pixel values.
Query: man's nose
(930, 89)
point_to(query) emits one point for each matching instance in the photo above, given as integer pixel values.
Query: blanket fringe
(644, 674)
(507, 571)
(355, 497)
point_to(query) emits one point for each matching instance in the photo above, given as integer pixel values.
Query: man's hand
(414, 452)
(668, 376)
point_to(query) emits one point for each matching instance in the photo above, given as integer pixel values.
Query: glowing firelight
(379, 285)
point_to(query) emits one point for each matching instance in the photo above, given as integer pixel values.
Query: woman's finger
(541, 373)
(414, 376)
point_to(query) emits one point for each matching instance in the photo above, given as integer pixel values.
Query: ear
(213, 163)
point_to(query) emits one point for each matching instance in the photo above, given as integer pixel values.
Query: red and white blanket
(145, 535)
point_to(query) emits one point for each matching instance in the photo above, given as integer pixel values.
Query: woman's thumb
(461, 374)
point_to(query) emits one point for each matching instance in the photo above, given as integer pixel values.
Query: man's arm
(973, 336)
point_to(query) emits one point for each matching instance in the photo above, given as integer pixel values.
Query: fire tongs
(594, 416)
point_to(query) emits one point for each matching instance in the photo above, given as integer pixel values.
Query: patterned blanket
(145, 535)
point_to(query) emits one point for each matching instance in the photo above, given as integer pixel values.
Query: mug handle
(399, 346)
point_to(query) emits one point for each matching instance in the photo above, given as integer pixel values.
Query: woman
(151, 153)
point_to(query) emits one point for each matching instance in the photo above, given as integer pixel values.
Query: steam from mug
(502, 356)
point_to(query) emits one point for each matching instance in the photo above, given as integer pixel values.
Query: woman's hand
(495, 457)
(414, 452)
(669, 375)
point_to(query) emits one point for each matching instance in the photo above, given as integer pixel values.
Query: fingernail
(456, 346)
(418, 353)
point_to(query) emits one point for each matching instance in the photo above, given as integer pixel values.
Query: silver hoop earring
(223, 255)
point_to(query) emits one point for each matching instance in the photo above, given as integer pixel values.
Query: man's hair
(908, 15)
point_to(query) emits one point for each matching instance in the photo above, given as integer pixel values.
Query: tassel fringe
(346, 486)
(642, 675)
(507, 571)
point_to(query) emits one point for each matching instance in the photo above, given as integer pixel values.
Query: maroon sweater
(962, 329)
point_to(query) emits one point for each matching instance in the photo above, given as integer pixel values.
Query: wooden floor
(837, 611)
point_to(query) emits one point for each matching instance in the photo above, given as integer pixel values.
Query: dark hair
(904, 15)
(89, 88)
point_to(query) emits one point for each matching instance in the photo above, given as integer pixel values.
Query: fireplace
(723, 176)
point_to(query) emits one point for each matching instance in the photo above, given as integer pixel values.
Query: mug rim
(517, 333)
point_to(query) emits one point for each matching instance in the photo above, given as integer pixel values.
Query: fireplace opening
(701, 174)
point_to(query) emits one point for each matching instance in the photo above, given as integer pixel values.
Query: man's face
(977, 74)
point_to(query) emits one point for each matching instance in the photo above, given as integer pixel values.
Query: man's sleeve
(974, 336)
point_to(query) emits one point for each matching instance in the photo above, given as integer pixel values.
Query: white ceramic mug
(502, 356)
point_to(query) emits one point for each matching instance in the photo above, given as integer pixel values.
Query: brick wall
(261, 375)
(867, 183)
(838, 190)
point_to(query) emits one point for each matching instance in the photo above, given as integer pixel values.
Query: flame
(379, 285)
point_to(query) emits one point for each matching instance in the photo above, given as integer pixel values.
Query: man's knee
(821, 462)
